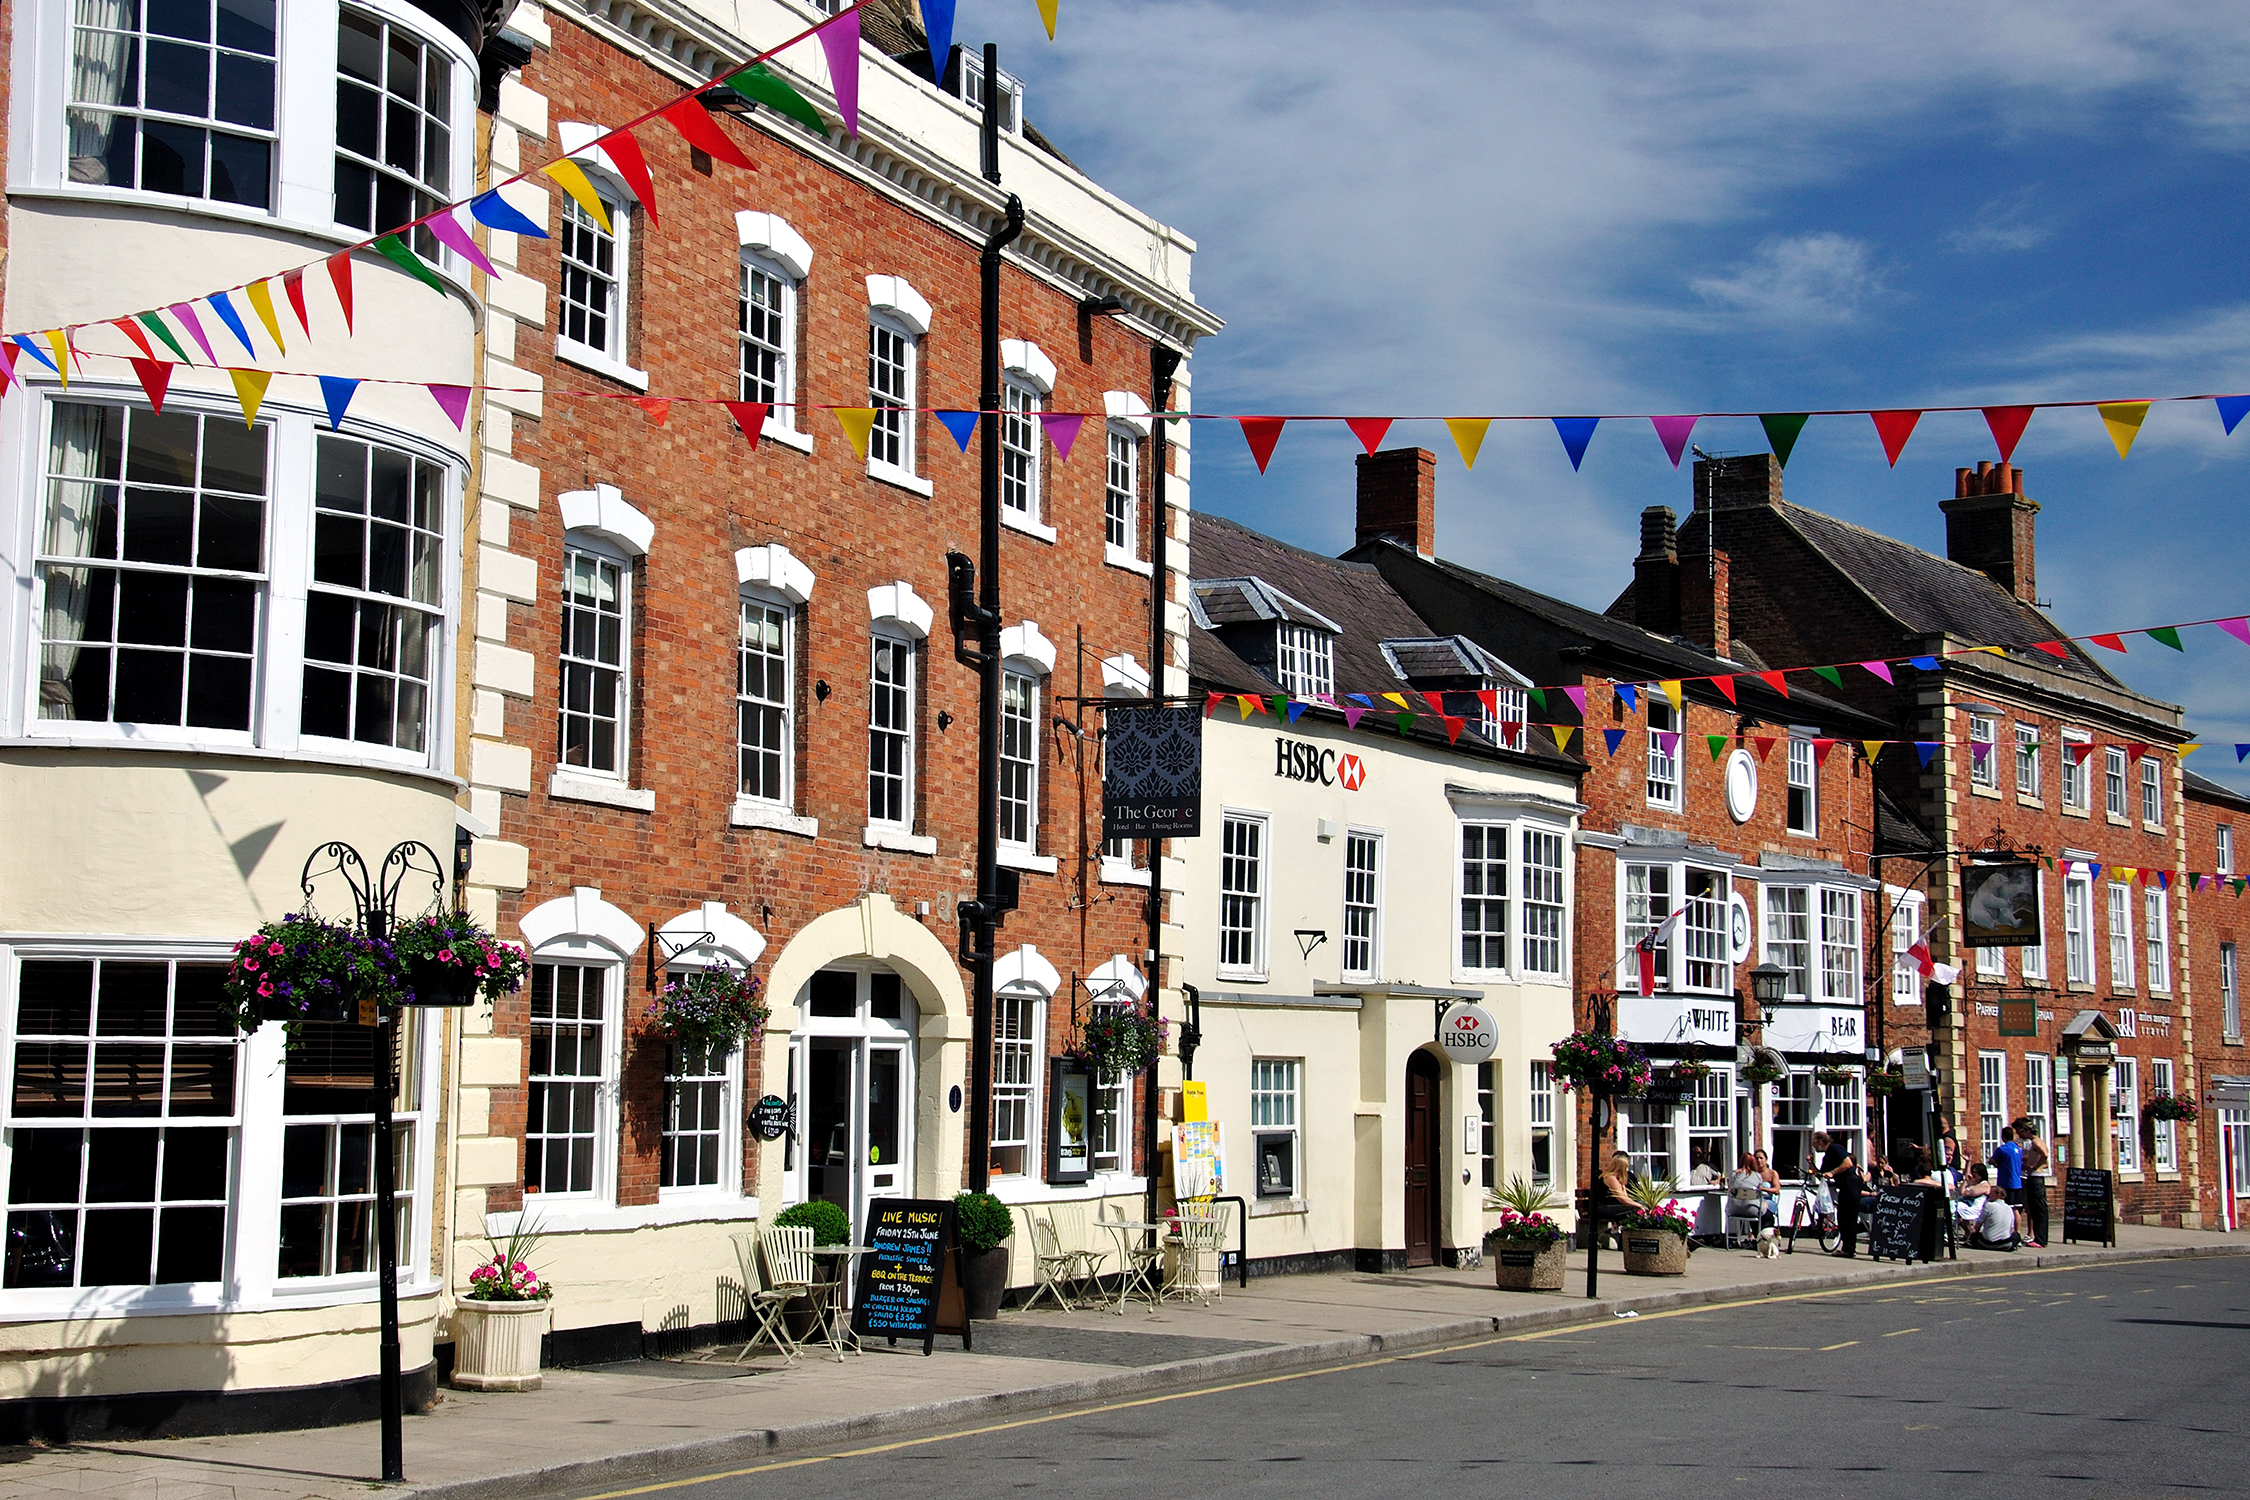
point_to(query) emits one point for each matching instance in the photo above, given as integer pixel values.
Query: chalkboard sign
(769, 1117)
(2089, 1206)
(909, 1287)
(1905, 1223)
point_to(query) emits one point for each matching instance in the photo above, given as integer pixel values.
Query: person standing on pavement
(2007, 1166)
(1842, 1172)
(2035, 1162)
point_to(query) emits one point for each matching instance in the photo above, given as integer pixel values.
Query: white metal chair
(1203, 1227)
(1138, 1263)
(1069, 1220)
(1052, 1267)
(765, 1298)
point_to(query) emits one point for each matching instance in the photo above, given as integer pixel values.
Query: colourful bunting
(2123, 419)
(1468, 436)
(2165, 635)
(32, 349)
(9, 379)
(1405, 723)
(1453, 728)
(1296, 710)
(156, 325)
(759, 83)
(1725, 684)
(1667, 740)
(393, 249)
(1894, 428)
(1401, 702)
(1928, 750)
(1782, 430)
(260, 294)
(1062, 430)
(750, 416)
(624, 153)
(2231, 409)
(1672, 694)
(194, 325)
(1369, 430)
(857, 422)
(132, 331)
(1261, 433)
(2053, 648)
(698, 129)
(1436, 702)
(1577, 695)
(962, 424)
(1562, 734)
(1778, 681)
(1718, 744)
(1881, 669)
(340, 277)
(450, 234)
(937, 26)
(1275, 705)
(453, 400)
(225, 309)
(1922, 663)
(572, 179)
(1628, 696)
(337, 392)
(1047, 14)
(1873, 748)
(155, 375)
(839, 40)
(2238, 628)
(2113, 642)
(1352, 716)
(293, 283)
(1576, 433)
(495, 212)
(2007, 424)
(1765, 744)
(1244, 703)
(1673, 432)
(1613, 738)
(250, 390)
(1211, 702)
(59, 341)
(659, 408)
(1538, 699)
(1829, 675)
(1820, 749)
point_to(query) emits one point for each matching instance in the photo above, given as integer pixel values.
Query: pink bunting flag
(1577, 696)
(9, 379)
(840, 40)
(194, 325)
(2239, 629)
(1673, 432)
(1062, 430)
(451, 235)
(1369, 430)
(1352, 715)
(1881, 669)
(1261, 433)
(453, 400)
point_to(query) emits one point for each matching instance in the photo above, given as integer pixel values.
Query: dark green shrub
(829, 1225)
(981, 1221)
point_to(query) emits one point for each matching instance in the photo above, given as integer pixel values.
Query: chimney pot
(1398, 498)
(1990, 525)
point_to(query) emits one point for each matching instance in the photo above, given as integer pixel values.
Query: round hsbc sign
(1468, 1034)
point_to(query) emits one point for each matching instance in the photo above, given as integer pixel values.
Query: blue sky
(1476, 209)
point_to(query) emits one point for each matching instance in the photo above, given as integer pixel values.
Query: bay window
(373, 618)
(328, 1147)
(1703, 936)
(394, 128)
(174, 96)
(1906, 931)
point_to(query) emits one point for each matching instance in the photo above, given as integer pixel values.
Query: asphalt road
(2117, 1381)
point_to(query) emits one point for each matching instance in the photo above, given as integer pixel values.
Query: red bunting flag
(2007, 424)
(140, 339)
(156, 376)
(1778, 681)
(1490, 698)
(1261, 433)
(1211, 702)
(1453, 727)
(694, 122)
(624, 153)
(659, 408)
(340, 272)
(2052, 648)
(293, 282)
(1894, 428)
(750, 416)
(1436, 702)
(1820, 749)
(2114, 643)
(1369, 430)
(1725, 685)
(1765, 744)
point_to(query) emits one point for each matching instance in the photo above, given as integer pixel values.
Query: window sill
(898, 841)
(2117, 821)
(310, 753)
(597, 1218)
(1025, 1190)
(2231, 1039)
(1024, 859)
(2075, 812)
(1114, 873)
(1276, 1208)
(567, 787)
(1014, 522)
(2033, 802)
(60, 1304)
(1984, 791)
(901, 478)
(748, 814)
(788, 437)
(2152, 828)
(1241, 976)
(1118, 557)
(586, 357)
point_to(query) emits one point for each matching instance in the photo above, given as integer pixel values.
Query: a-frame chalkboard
(910, 1285)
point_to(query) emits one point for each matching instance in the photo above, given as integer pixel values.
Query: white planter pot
(496, 1344)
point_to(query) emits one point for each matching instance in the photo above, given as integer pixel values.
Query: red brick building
(716, 713)
(2218, 929)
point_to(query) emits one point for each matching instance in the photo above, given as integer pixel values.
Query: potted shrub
(1529, 1249)
(302, 968)
(981, 1226)
(1655, 1230)
(1121, 1040)
(1596, 1060)
(830, 1226)
(497, 1324)
(450, 960)
(717, 1007)
(2164, 1106)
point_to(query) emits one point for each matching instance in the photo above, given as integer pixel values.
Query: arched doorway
(852, 1069)
(1421, 1158)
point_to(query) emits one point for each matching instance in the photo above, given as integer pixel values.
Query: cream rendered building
(1325, 908)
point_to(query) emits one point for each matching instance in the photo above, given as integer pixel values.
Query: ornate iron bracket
(667, 949)
(375, 894)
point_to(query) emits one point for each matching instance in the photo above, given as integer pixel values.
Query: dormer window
(1011, 93)
(1513, 713)
(1306, 660)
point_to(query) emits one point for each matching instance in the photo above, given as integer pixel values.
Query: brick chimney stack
(1747, 479)
(1989, 526)
(1398, 498)
(1656, 572)
(1703, 602)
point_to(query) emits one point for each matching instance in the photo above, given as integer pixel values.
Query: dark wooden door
(1421, 1159)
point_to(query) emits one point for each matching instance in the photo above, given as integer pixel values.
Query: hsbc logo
(1303, 760)
(1351, 773)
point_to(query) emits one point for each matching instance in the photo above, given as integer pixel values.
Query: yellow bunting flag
(60, 343)
(1047, 14)
(573, 180)
(1244, 703)
(857, 422)
(1999, 651)
(1873, 748)
(250, 390)
(1562, 734)
(1671, 694)
(2190, 748)
(1468, 436)
(1401, 702)
(2123, 419)
(261, 302)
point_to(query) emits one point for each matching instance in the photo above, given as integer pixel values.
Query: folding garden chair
(772, 1280)
(1052, 1266)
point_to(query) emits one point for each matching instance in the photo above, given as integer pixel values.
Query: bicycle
(1815, 1206)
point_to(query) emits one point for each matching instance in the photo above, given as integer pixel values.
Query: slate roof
(2205, 787)
(1244, 601)
(894, 28)
(1898, 831)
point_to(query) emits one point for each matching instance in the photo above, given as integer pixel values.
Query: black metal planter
(429, 982)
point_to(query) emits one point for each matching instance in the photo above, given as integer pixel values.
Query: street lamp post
(1599, 1022)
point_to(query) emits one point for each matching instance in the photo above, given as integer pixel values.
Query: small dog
(1769, 1243)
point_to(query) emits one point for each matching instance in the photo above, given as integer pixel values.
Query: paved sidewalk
(652, 1418)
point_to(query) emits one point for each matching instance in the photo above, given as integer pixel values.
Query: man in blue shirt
(2007, 1164)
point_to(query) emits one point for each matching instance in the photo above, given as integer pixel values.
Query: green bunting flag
(1405, 723)
(2167, 635)
(1718, 744)
(1539, 697)
(394, 249)
(1829, 674)
(758, 83)
(1781, 431)
(156, 326)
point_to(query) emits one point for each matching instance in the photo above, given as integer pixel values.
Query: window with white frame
(972, 91)
(2222, 849)
(1663, 755)
(1019, 759)
(590, 295)
(1542, 902)
(766, 327)
(698, 1104)
(2078, 927)
(2037, 1100)
(1992, 1099)
(890, 733)
(2163, 1134)
(1705, 940)
(2077, 776)
(1843, 1114)
(1506, 724)
(328, 1208)
(2113, 780)
(593, 712)
(374, 618)
(1114, 987)
(569, 1134)
(1542, 1121)
(2230, 993)
(2027, 760)
(1121, 531)
(1789, 936)
(2033, 957)
(394, 128)
(175, 97)
(1710, 1111)
(1019, 449)
(1363, 903)
(891, 353)
(1484, 897)
(1991, 964)
(2156, 931)
(1273, 1125)
(1242, 894)
(1488, 1124)
(1648, 1138)
(1306, 660)
(2120, 936)
(764, 694)
(1804, 787)
(1839, 946)
(1796, 1114)
(1906, 931)
(2152, 792)
(2125, 1111)
(1649, 890)
(1017, 1044)
(1984, 765)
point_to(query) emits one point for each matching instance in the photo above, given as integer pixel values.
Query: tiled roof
(1898, 831)
(1243, 601)
(2204, 787)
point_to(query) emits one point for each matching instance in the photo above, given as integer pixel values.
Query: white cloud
(2004, 224)
(1805, 279)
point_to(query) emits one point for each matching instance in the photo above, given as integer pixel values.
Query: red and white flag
(1928, 967)
(1658, 935)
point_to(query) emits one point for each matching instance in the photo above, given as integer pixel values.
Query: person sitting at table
(1746, 1193)
(1613, 1195)
(1704, 1173)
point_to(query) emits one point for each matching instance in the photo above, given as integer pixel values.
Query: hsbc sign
(1305, 760)
(1468, 1034)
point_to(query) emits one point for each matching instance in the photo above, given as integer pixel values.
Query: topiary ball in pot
(982, 1225)
(829, 1224)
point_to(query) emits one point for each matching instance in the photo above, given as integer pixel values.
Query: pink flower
(250, 964)
(445, 955)
(275, 949)
(265, 991)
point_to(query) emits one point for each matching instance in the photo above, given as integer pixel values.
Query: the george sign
(1905, 1223)
(909, 1286)
(2019, 1017)
(2089, 1206)
(1070, 1118)
(1152, 772)
(1467, 1033)
(1914, 1064)
(769, 1117)
(2000, 905)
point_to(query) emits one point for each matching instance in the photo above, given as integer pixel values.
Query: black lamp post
(1598, 1022)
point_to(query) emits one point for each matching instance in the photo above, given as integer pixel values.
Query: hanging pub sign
(1070, 1118)
(1152, 772)
(1467, 1033)
(2000, 905)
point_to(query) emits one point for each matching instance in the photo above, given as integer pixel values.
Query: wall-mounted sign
(1659, 1020)
(1195, 1101)
(1070, 1118)
(1152, 773)
(1814, 1028)
(1742, 787)
(2019, 1017)
(2000, 905)
(1467, 1033)
(769, 1117)
(1914, 1063)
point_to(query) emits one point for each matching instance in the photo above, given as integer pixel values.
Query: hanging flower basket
(1887, 1082)
(1122, 1039)
(718, 1006)
(1689, 1070)
(1596, 1060)
(1834, 1078)
(302, 968)
(450, 960)
(2163, 1106)
(1763, 1073)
